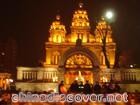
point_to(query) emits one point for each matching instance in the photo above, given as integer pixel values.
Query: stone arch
(82, 50)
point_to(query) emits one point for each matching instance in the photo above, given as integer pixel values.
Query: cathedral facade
(80, 50)
(75, 56)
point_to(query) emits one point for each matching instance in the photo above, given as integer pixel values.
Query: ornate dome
(103, 30)
(57, 31)
(80, 18)
(57, 25)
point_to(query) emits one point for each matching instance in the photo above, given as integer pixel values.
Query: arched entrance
(78, 63)
(78, 67)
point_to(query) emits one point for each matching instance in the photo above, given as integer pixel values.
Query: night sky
(28, 21)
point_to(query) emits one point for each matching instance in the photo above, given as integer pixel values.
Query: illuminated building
(67, 53)
(74, 56)
(5, 81)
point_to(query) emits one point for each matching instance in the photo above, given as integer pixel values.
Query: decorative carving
(78, 61)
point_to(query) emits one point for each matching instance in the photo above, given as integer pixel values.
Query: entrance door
(78, 67)
(72, 75)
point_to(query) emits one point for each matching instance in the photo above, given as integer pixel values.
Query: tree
(103, 29)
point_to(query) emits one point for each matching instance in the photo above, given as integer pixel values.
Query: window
(55, 57)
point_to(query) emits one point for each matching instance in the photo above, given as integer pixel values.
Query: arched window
(55, 57)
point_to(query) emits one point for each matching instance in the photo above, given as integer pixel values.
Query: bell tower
(103, 29)
(80, 26)
(57, 31)
(103, 32)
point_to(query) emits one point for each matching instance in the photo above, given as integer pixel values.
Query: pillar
(27, 75)
(20, 74)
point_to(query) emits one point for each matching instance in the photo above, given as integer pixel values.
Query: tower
(57, 31)
(103, 35)
(80, 26)
(57, 36)
(103, 29)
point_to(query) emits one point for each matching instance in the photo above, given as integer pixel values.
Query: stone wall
(129, 79)
(130, 87)
(25, 86)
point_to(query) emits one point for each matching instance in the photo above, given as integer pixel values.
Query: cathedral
(80, 50)
(75, 56)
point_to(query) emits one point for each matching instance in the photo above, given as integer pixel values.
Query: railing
(122, 76)
(128, 76)
(29, 75)
(46, 76)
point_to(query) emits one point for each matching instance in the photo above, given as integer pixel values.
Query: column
(20, 74)
(27, 75)
(130, 76)
(24, 75)
(133, 74)
(32, 75)
(49, 75)
(46, 75)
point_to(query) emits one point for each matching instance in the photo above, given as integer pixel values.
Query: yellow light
(55, 79)
(59, 39)
(104, 79)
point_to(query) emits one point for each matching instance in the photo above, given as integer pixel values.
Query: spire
(80, 17)
(103, 27)
(80, 26)
(57, 30)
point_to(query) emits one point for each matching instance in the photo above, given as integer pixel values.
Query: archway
(78, 67)
(78, 62)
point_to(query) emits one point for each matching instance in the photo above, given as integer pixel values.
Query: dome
(57, 25)
(57, 31)
(80, 17)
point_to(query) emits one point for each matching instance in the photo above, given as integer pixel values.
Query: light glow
(109, 14)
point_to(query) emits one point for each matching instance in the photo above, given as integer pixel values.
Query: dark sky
(28, 22)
